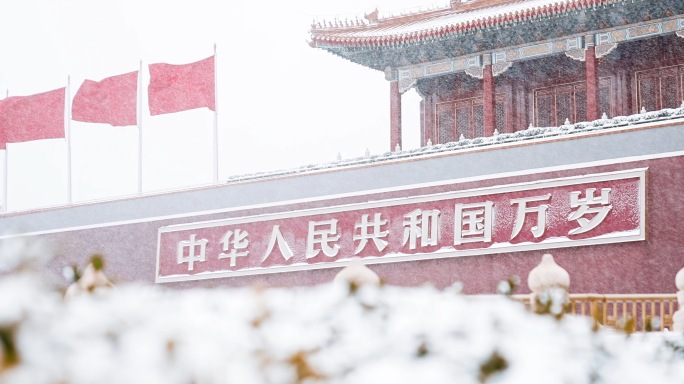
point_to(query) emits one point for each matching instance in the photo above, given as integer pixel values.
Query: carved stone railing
(628, 312)
(549, 282)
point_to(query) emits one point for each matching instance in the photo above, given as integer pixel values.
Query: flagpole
(5, 188)
(3, 208)
(216, 164)
(139, 121)
(68, 135)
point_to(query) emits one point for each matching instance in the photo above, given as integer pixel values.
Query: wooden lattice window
(660, 88)
(445, 122)
(466, 117)
(553, 105)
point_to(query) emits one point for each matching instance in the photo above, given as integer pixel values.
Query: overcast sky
(281, 103)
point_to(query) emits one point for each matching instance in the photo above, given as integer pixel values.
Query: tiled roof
(459, 19)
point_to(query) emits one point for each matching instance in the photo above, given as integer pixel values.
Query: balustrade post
(357, 274)
(678, 317)
(549, 284)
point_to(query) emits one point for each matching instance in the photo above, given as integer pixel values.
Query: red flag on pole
(35, 117)
(175, 88)
(110, 101)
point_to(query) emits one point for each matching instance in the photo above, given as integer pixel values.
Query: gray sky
(281, 103)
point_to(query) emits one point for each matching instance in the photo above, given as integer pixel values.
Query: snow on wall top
(531, 133)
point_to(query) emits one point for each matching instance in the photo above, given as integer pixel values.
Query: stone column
(395, 116)
(591, 70)
(678, 317)
(489, 96)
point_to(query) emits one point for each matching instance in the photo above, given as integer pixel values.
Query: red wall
(636, 267)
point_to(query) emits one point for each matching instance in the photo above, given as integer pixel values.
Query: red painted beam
(592, 84)
(489, 100)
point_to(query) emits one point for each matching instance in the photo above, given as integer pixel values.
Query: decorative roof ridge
(392, 19)
(454, 8)
(554, 8)
(338, 24)
(374, 18)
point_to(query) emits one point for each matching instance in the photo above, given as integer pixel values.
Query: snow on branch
(321, 334)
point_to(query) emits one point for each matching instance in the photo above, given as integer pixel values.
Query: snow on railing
(629, 312)
(550, 283)
(531, 133)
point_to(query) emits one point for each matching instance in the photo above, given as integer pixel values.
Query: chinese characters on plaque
(552, 213)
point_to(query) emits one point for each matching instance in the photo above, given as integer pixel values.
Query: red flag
(35, 117)
(175, 88)
(110, 101)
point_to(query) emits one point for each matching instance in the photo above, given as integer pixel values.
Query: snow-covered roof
(460, 18)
